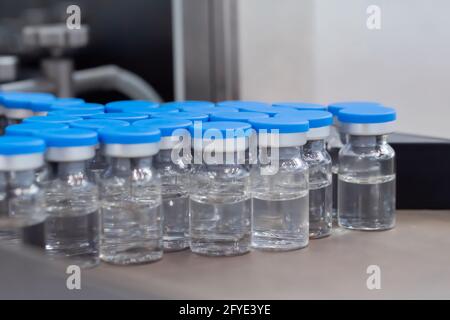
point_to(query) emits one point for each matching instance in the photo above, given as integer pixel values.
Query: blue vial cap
(300, 105)
(129, 117)
(17, 145)
(200, 108)
(367, 114)
(166, 126)
(283, 125)
(130, 135)
(150, 111)
(253, 106)
(192, 116)
(335, 107)
(190, 103)
(78, 106)
(80, 113)
(237, 116)
(72, 137)
(128, 106)
(238, 103)
(23, 100)
(317, 119)
(221, 130)
(41, 103)
(97, 125)
(61, 102)
(51, 119)
(32, 128)
(222, 109)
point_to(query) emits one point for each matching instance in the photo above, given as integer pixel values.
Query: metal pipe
(103, 78)
(114, 78)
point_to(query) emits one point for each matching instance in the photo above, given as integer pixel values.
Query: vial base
(280, 225)
(367, 204)
(175, 210)
(174, 243)
(220, 229)
(320, 219)
(132, 233)
(75, 238)
(134, 254)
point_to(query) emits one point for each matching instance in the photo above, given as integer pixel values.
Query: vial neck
(66, 169)
(367, 141)
(129, 164)
(164, 156)
(18, 179)
(314, 146)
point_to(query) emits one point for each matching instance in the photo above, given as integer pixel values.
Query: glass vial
(73, 223)
(366, 189)
(220, 203)
(320, 181)
(130, 191)
(280, 193)
(22, 204)
(173, 163)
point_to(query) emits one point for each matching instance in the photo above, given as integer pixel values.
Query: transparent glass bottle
(22, 204)
(336, 141)
(97, 164)
(366, 190)
(280, 185)
(72, 206)
(130, 191)
(320, 180)
(220, 203)
(173, 164)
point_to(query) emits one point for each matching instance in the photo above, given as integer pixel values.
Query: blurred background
(291, 50)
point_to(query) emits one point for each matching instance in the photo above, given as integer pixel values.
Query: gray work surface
(414, 259)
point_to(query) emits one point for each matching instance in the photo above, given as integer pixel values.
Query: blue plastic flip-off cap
(166, 126)
(80, 113)
(283, 125)
(98, 124)
(367, 114)
(130, 135)
(316, 118)
(300, 105)
(237, 116)
(32, 128)
(19, 145)
(188, 104)
(129, 106)
(335, 107)
(192, 116)
(78, 106)
(72, 137)
(51, 119)
(130, 117)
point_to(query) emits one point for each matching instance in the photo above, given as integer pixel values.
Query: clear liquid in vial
(74, 236)
(175, 210)
(366, 204)
(132, 232)
(320, 211)
(281, 224)
(220, 228)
